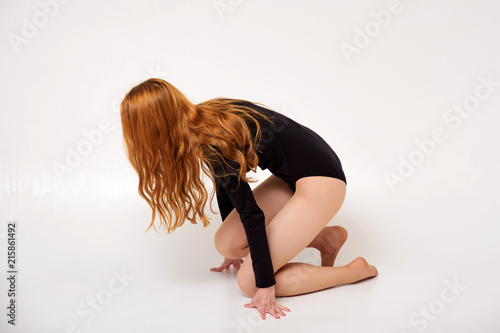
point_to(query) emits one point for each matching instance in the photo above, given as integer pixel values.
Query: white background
(66, 66)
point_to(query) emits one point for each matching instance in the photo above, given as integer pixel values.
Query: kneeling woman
(171, 142)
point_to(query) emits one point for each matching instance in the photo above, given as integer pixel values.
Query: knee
(227, 246)
(220, 243)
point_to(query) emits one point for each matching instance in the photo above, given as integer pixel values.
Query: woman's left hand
(264, 301)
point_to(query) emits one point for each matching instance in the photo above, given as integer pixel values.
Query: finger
(284, 308)
(273, 313)
(262, 313)
(280, 312)
(249, 305)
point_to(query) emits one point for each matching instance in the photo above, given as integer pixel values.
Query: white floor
(436, 273)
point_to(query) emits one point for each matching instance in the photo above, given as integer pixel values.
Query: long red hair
(170, 142)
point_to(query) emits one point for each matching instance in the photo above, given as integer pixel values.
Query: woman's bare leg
(297, 278)
(271, 196)
(328, 242)
(315, 202)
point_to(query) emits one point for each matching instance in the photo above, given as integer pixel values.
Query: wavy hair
(170, 142)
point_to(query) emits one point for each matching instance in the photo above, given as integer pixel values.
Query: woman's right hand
(227, 264)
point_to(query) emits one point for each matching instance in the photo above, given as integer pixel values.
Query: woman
(169, 140)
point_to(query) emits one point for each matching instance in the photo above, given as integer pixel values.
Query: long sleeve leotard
(290, 151)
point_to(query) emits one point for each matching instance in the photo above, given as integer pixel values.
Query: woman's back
(291, 150)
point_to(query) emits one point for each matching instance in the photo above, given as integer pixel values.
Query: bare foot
(361, 269)
(328, 242)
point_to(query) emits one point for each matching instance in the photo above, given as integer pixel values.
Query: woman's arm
(223, 201)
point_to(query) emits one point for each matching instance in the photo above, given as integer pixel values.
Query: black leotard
(290, 151)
